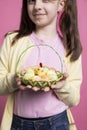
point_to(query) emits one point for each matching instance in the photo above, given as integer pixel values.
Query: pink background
(9, 20)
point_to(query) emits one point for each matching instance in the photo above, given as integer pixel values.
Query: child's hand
(60, 83)
(24, 87)
(19, 84)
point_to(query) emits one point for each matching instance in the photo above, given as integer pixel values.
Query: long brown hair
(68, 25)
(69, 28)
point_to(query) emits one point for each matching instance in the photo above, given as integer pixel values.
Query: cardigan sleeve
(7, 82)
(70, 92)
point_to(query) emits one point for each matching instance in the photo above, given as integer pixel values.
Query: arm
(7, 82)
(70, 92)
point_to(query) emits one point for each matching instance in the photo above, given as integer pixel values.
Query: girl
(29, 108)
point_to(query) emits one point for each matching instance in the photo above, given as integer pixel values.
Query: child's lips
(38, 15)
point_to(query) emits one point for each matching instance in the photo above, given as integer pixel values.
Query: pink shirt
(32, 104)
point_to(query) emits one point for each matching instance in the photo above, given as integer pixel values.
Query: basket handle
(39, 45)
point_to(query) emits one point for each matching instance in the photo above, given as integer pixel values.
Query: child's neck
(46, 33)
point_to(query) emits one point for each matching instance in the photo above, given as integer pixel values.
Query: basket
(39, 75)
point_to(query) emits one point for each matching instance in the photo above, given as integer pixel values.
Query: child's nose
(38, 4)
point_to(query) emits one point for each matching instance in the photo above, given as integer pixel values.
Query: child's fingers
(46, 89)
(18, 83)
(58, 85)
(29, 86)
(35, 88)
(65, 75)
(53, 86)
(22, 87)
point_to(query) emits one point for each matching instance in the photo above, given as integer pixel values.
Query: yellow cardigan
(69, 93)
